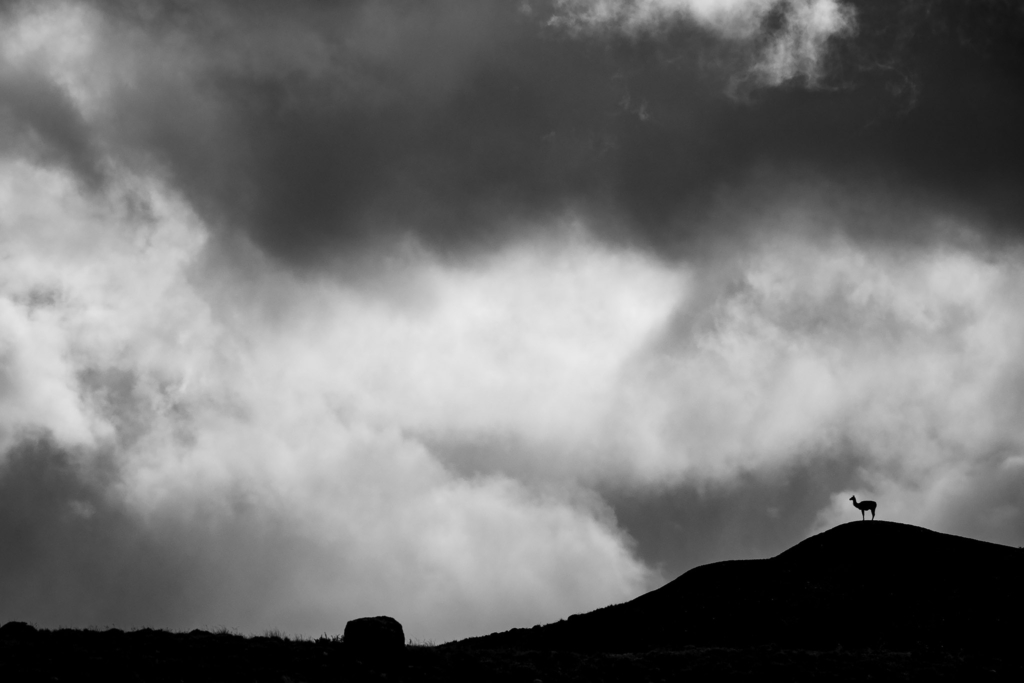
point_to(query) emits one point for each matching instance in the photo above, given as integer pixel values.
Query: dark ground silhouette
(861, 601)
(856, 585)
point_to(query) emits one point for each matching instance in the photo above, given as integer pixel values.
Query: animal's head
(853, 497)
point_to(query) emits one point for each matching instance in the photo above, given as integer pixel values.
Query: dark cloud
(317, 127)
(75, 555)
(760, 514)
(756, 515)
(71, 556)
(37, 118)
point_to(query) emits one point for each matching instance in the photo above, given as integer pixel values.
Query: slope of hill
(866, 600)
(878, 584)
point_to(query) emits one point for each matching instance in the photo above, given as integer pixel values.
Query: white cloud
(310, 412)
(799, 49)
(795, 49)
(734, 18)
(911, 355)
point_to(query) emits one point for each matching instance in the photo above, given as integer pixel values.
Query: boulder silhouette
(376, 635)
(884, 584)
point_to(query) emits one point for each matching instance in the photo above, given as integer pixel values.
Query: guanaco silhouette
(863, 506)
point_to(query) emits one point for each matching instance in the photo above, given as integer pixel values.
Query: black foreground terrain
(861, 584)
(863, 601)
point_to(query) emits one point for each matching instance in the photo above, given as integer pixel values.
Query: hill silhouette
(861, 584)
(862, 601)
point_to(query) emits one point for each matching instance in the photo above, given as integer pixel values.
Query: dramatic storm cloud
(481, 313)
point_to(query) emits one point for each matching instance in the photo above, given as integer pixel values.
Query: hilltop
(862, 584)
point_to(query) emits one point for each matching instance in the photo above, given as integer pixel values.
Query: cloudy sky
(480, 313)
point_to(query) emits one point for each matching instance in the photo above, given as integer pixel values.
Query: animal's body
(863, 506)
